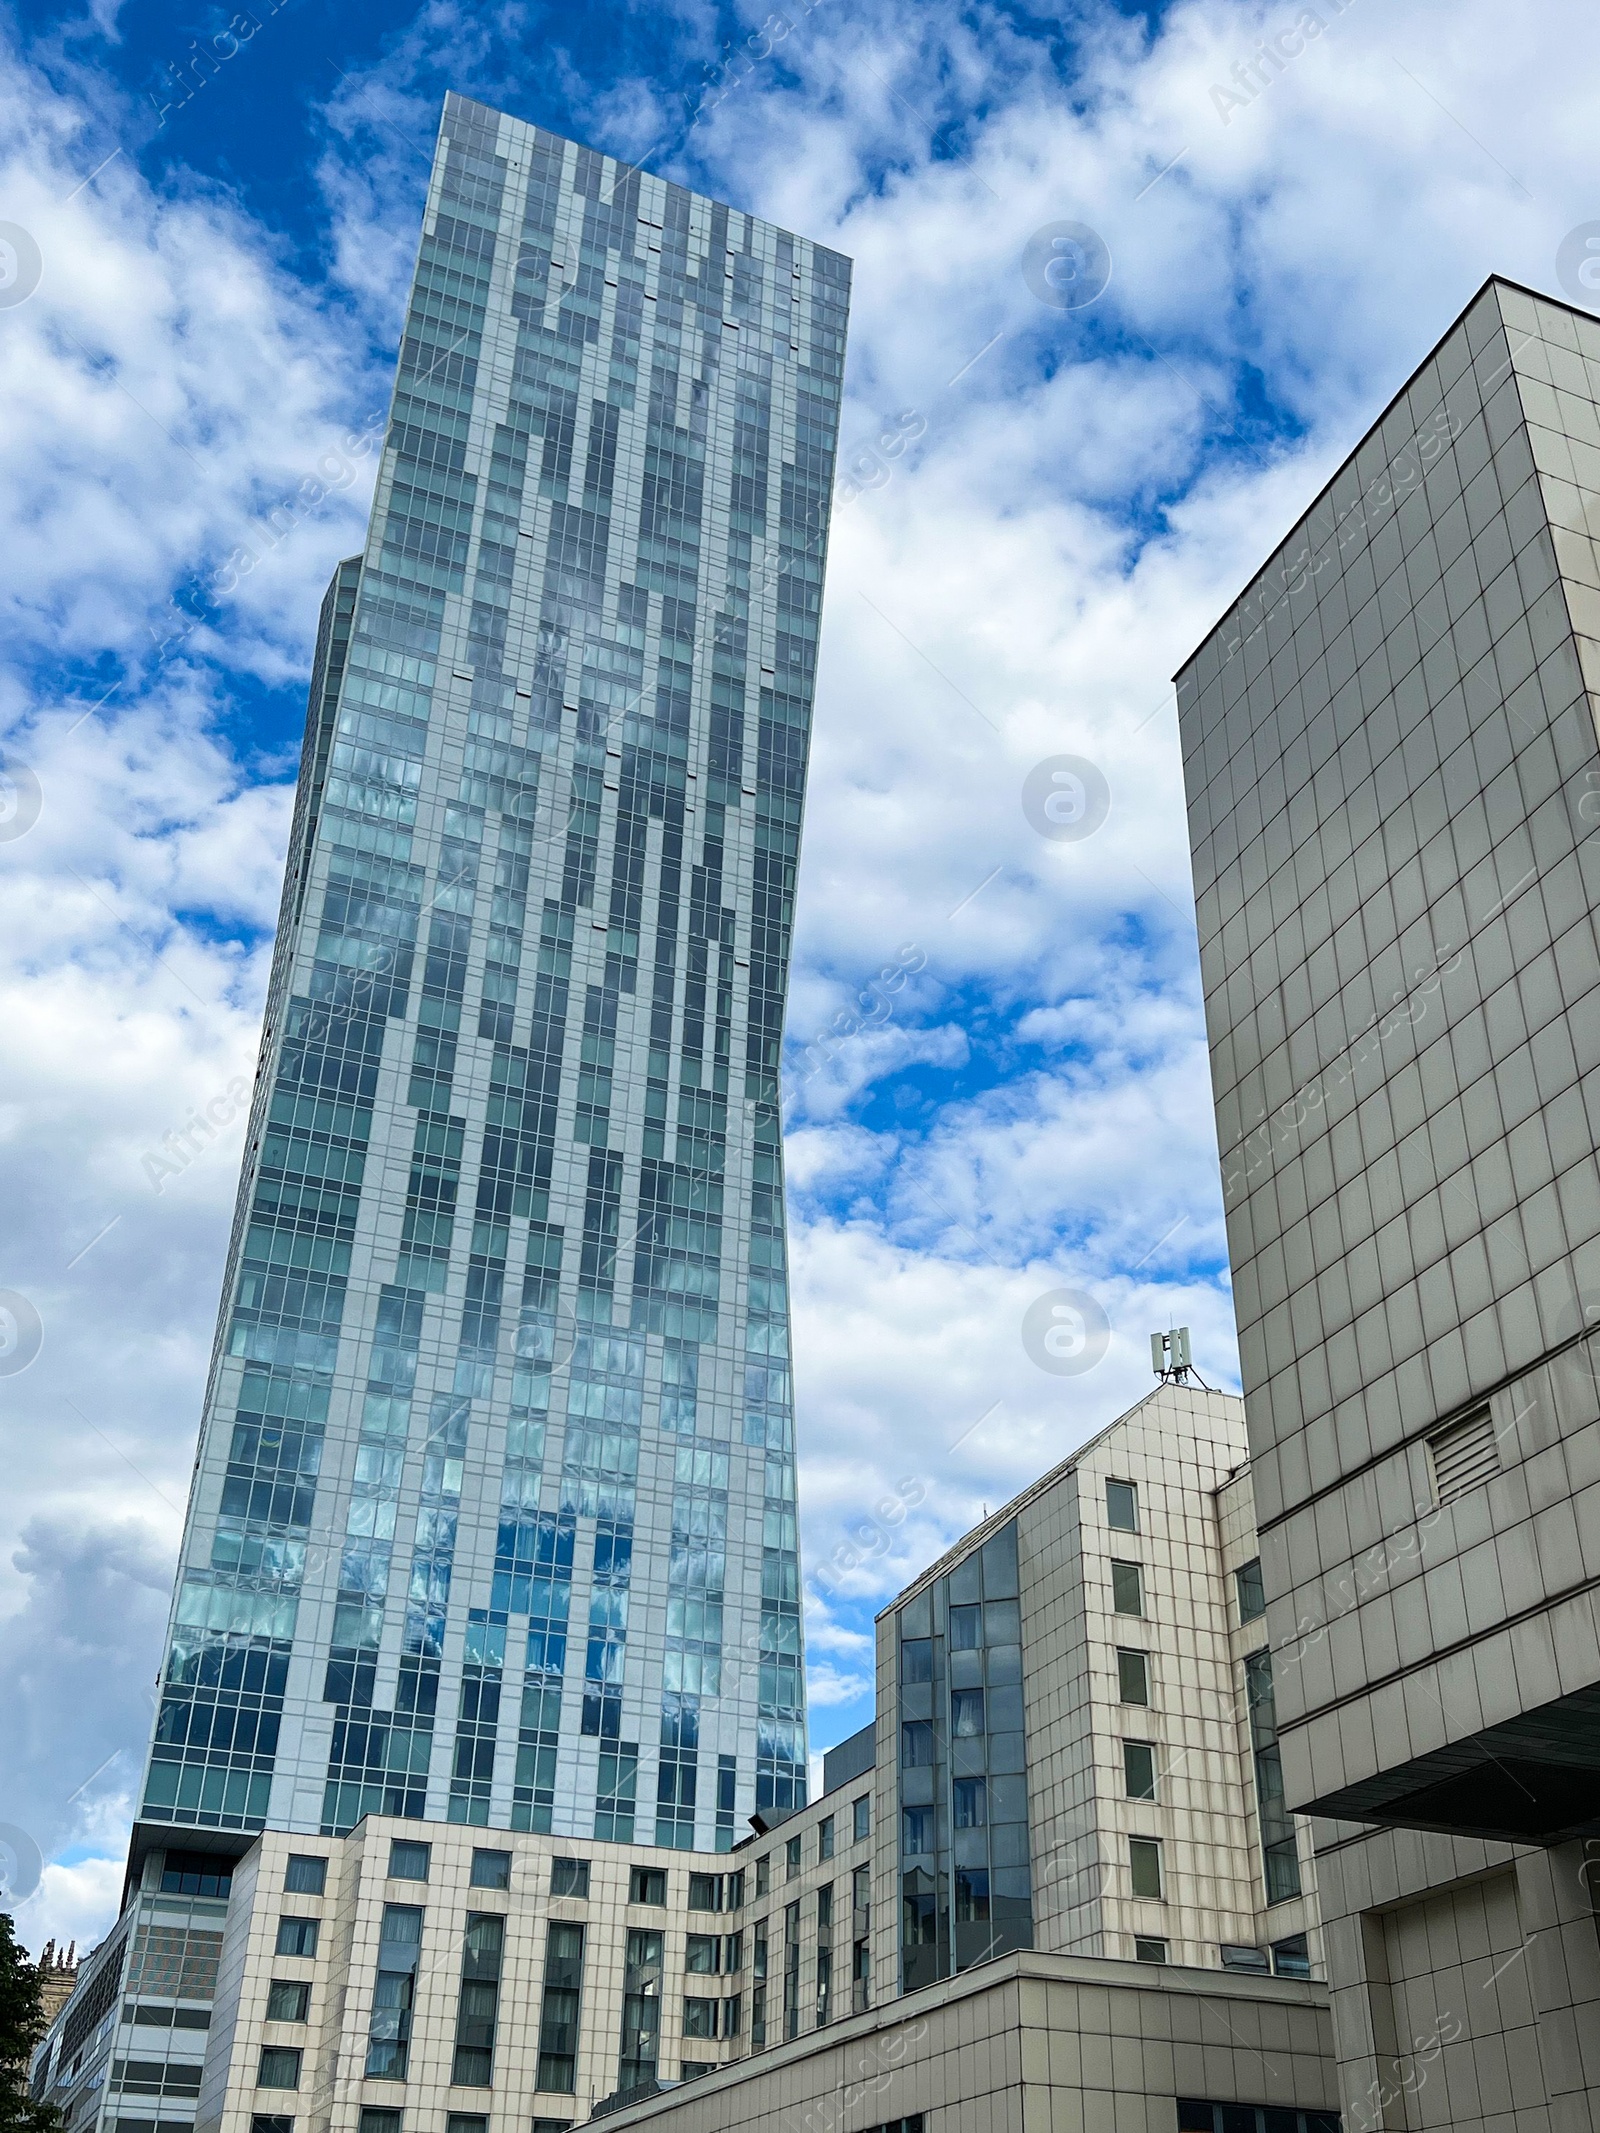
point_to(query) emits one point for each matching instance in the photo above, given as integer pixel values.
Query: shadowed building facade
(1393, 778)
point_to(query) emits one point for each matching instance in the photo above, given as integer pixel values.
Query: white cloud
(72, 1903)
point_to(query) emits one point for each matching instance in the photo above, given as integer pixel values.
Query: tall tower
(493, 1515)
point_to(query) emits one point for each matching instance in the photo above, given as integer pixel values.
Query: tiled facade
(1393, 776)
(956, 1937)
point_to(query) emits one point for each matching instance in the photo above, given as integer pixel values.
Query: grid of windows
(965, 1879)
(542, 859)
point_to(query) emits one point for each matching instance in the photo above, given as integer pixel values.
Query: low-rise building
(1054, 1876)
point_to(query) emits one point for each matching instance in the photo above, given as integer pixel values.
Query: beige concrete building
(1052, 1886)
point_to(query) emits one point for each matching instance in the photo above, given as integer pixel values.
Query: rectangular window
(972, 1895)
(297, 1936)
(970, 1802)
(1195, 2116)
(1252, 1593)
(1279, 1852)
(265, 2122)
(1253, 1960)
(1127, 1588)
(394, 1992)
(916, 1831)
(791, 1970)
(1144, 1862)
(569, 1877)
(1292, 1957)
(966, 1629)
(560, 2009)
(647, 1884)
(408, 1860)
(824, 1986)
(465, 2122)
(702, 1953)
(758, 1992)
(379, 2118)
(764, 1874)
(1133, 1676)
(861, 1818)
(1122, 1506)
(491, 1870)
(641, 2008)
(966, 1714)
(791, 1853)
(825, 1837)
(699, 2018)
(287, 2000)
(916, 1744)
(478, 2007)
(1147, 1950)
(916, 1660)
(279, 2068)
(306, 1874)
(1139, 1769)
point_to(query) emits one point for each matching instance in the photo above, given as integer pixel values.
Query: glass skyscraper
(493, 1517)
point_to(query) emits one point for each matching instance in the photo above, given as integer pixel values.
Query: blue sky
(997, 1075)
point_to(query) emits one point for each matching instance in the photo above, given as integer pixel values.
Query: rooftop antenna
(1172, 1359)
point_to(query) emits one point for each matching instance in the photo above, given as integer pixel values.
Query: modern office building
(1052, 1885)
(1394, 782)
(493, 1516)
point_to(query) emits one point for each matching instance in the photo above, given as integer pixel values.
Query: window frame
(1118, 1525)
(1122, 1570)
(286, 1985)
(479, 1855)
(1147, 1748)
(281, 2054)
(1141, 1659)
(295, 1880)
(1143, 1851)
(401, 1847)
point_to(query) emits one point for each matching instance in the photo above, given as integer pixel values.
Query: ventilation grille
(1465, 1456)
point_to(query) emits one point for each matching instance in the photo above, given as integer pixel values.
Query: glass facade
(494, 1515)
(965, 1883)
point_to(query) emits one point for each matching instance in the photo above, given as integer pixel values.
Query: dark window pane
(1144, 1861)
(306, 1874)
(1139, 1769)
(491, 1870)
(966, 1713)
(1252, 1593)
(1122, 1506)
(287, 2001)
